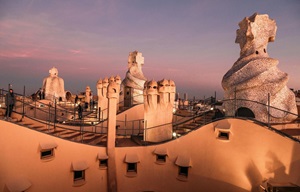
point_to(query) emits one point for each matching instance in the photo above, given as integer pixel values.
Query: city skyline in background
(191, 42)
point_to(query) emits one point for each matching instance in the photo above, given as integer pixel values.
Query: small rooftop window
(161, 155)
(131, 160)
(161, 158)
(79, 168)
(222, 131)
(223, 135)
(48, 153)
(103, 159)
(79, 175)
(184, 164)
(183, 171)
(47, 150)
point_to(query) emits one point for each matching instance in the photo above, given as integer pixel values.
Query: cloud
(75, 52)
(14, 55)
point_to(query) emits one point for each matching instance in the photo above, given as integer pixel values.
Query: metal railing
(63, 116)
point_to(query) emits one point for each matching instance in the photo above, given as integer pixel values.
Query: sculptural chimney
(133, 84)
(112, 95)
(254, 86)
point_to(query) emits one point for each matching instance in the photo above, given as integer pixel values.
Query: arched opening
(128, 97)
(244, 112)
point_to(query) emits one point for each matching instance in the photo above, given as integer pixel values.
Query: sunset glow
(190, 42)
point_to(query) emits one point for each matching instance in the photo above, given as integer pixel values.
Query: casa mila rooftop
(136, 134)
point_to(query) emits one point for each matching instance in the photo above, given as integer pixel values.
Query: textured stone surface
(158, 109)
(255, 75)
(53, 86)
(102, 85)
(102, 91)
(135, 78)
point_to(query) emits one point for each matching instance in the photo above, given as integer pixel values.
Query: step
(102, 142)
(25, 124)
(181, 132)
(56, 132)
(83, 137)
(189, 126)
(36, 126)
(193, 124)
(96, 139)
(62, 133)
(88, 135)
(200, 122)
(138, 140)
(71, 135)
(292, 131)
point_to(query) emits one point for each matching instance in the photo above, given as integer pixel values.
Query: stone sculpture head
(152, 87)
(163, 86)
(53, 72)
(99, 84)
(254, 34)
(105, 82)
(118, 79)
(111, 79)
(113, 90)
(172, 86)
(135, 59)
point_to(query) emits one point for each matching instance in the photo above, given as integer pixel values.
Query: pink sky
(190, 42)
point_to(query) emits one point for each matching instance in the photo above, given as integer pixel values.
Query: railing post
(54, 113)
(34, 108)
(2, 96)
(140, 126)
(23, 113)
(204, 117)
(235, 105)
(215, 101)
(125, 124)
(145, 130)
(269, 110)
(102, 118)
(132, 132)
(74, 112)
(81, 125)
(99, 113)
(49, 119)
(82, 131)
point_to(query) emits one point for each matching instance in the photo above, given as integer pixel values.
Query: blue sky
(191, 42)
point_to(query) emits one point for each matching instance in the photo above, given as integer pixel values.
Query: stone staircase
(68, 134)
(193, 123)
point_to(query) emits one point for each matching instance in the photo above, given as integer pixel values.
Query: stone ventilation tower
(102, 86)
(133, 84)
(102, 97)
(159, 100)
(256, 77)
(113, 90)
